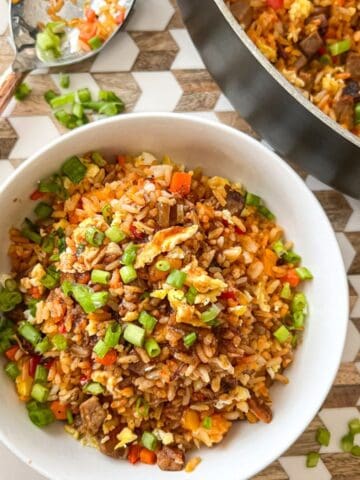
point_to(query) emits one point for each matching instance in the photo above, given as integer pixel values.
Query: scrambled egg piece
(208, 288)
(300, 10)
(164, 241)
(125, 436)
(184, 313)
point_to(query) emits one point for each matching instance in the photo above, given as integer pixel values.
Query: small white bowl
(222, 151)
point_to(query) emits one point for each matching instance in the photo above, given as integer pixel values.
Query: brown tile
(234, 120)
(354, 239)
(342, 466)
(348, 374)
(337, 208)
(8, 138)
(176, 21)
(272, 472)
(157, 51)
(306, 442)
(123, 84)
(35, 103)
(342, 396)
(200, 91)
(154, 61)
(353, 296)
(356, 322)
(7, 54)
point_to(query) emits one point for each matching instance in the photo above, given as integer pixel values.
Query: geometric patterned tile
(272, 472)
(347, 250)
(234, 120)
(336, 420)
(296, 468)
(157, 51)
(352, 343)
(150, 15)
(188, 57)
(176, 20)
(200, 91)
(342, 396)
(8, 138)
(160, 91)
(353, 223)
(3, 18)
(306, 442)
(336, 207)
(342, 466)
(118, 56)
(316, 185)
(223, 105)
(355, 283)
(39, 84)
(354, 239)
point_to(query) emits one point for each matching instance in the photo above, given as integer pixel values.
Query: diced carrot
(147, 456)
(269, 261)
(291, 277)
(109, 358)
(58, 409)
(11, 352)
(73, 218)
(87, 31)
(121, 159)
(90, 15)
(134, 453)
(180, 183)
(35, 292)
(36, 195)
(191, 420)
(119, 19)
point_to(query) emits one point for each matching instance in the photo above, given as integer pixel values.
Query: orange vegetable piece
(120, 17)
(90, 15)
(58, 409)
(269, 261)
(109, 358)
(35, 292)
(121, 159)
(134, 453)
(291, 277)
(180, 183)
(147, 456)
(11, 352)
(87, 31)
(36, 195)
(191, 420)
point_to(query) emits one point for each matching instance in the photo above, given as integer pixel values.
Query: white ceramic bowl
(229, 153)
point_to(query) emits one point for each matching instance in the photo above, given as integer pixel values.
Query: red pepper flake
(121, 159)
(225, 222)
(134, 453)
(136, 233)
(228, 295)
(238, 230)
(62, 328)
(36, 195)
(49, 363)
(322, 51)
(33, 363)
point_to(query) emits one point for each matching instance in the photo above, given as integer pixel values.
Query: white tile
(316, 185)
(6, 170)
(353, 224)
(78, 81)
(4, 16)
(355, 282)
(223, 104)
(118, 56)
(33, 133)
(9, 108)
(160, 91)
(150, 15)
(14, 468)
(336, 420)
(188, 57)
(347, 250)
(352, 343)
(296, 469)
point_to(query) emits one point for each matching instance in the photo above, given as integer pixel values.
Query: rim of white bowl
(336, 259)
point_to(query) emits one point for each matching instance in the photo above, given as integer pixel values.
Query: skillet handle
(8, 83)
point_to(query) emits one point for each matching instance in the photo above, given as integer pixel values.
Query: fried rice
(149, 307)
(315, 44)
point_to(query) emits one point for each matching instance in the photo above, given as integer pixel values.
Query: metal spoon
(25, 16)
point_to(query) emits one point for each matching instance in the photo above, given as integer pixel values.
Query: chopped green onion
(31, 235)
(10, 284)
(355, 451)
(209, 315)
(142, 407)
(98, 159)
(128, 273)
(39, 393)
(78, 110)
(100, 276)
(304, 273)
(176, 278)
(286, 291)
(107, 213)
(152, 348)
(108, 96)
(48, 44)
(129, 255)
(69, 416)
(147, 321)
(84, 95)
(191, 295)
(95, 43)
(41, 374)
(64, 80)
(323, 436)
(279, 248)
(49, 95)
(298, 319)
(282, 334)
(163, 265)
(149, 441)
(134, 335)
(29, 332)
(87, 299)
(357, 113)
(340, 47)
(55, 257)
(291, 257)
(12, 370)
(53, 184)
(51, 278)
(354, 426)
(62, 100)
(299, 302)
(347, 442)
(312, 459)
(56, 27)
(48, 244)
(22, 91)
(43, 346)
(115, 234)
(40, 415)
(94, 236)
(94, 388)
(252, 199)
(325, 59)
(112, 335)
(59, 341)
(109, 109)
(189, 339)
(61, 240)
(207, 422)
(265, 212)
(101, 349)
(74, 169)
(66, 287)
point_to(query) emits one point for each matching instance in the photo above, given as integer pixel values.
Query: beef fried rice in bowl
(172, 295)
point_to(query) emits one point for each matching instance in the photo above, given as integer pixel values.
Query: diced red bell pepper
(36, 195)
(33, 363)
(291, 277)
(228, 295)
(135, 233)
(238, 230)
(134, 453)
(11, 352)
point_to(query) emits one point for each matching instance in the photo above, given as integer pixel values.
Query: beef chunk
(228, 383)
(300, 62)
(352, 88)
(243, 12)
(344, 110)
(171, 459)
(320, 20)
(353, 65)
(235, 202)
(311, 44)
(92, 415)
